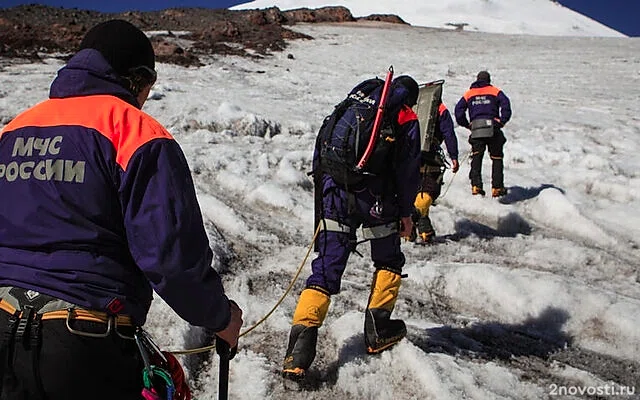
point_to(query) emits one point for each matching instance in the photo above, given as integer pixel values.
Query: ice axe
(225, 353)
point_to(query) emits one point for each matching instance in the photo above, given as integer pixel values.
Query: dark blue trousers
(359, 209)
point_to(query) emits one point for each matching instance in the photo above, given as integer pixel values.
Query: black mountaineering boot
(300, 352)
(423, 223)
(310, 313)
(426, 230)
(380, 331)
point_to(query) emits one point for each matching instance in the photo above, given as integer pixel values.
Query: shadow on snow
(538, 336)
(517, 194)
(510, 225)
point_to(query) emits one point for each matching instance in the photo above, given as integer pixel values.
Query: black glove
(223, 350)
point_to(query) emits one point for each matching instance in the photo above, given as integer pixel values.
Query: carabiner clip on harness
(158, 383)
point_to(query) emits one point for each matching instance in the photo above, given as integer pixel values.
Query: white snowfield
(533, 17)
(529, 297)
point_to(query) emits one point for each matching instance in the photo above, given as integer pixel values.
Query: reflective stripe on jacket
(483, 101)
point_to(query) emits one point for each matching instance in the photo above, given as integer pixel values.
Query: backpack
(346, 132)
(429, 99)
(427, 109)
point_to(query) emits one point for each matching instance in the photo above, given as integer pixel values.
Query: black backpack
(346, 132)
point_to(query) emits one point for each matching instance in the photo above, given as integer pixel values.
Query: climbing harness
(27, 312)
(70, 314)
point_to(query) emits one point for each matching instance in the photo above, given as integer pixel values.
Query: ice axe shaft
(223, 350)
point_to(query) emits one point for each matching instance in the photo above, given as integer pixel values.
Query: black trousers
(54, 364)
(495, 145)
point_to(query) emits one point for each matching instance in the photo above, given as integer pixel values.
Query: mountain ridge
(182, 36)
(533, 17)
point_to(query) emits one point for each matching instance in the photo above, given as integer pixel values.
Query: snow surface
(534, 17)
(528, 297)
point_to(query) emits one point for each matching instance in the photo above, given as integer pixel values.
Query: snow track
(500, 240)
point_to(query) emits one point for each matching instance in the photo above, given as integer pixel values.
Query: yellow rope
(286, 292)
(446, 189)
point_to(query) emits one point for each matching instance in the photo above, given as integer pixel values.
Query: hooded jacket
(98, 204)
(407, 164)
(400, 184)
(483, 101)
(445, 132)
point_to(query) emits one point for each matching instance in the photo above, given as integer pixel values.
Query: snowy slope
(534, 17)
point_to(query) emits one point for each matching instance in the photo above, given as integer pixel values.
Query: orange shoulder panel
(406, 114)
(487, 90)
(442, 108)
(127, 127)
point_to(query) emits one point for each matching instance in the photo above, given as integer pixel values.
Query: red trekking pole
(377, 122)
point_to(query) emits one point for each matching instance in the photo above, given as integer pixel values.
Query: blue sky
(621, 15)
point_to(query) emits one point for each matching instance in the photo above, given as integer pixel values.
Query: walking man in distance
(489, 111)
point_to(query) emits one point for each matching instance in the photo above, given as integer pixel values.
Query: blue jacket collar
(88, 73)
(479, 84)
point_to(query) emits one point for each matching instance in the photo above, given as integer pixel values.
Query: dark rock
(181, 35)
(394, 19)
(325, 14)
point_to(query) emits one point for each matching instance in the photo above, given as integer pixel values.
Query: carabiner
(152, 345)
(143, 352)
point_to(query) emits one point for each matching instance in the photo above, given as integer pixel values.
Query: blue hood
(88, 73)
(479, 84)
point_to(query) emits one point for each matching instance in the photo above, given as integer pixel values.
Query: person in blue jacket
(432, 167)
(489, 111)
(382, 205)
(98, 211)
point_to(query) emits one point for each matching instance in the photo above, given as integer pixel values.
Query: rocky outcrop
(325, 14)
(179, 35)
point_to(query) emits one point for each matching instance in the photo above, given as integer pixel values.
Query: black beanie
(122, 44)
(484, 76)
(411, 85)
